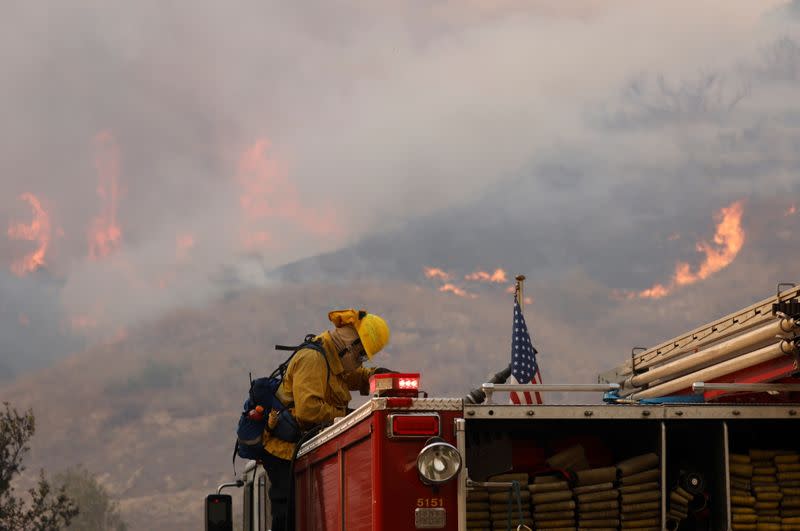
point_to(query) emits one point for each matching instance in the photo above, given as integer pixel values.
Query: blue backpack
(263, 392)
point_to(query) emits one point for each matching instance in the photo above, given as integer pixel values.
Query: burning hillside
(37, 231)
(728, 241)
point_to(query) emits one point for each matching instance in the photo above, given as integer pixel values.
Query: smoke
(270, 132)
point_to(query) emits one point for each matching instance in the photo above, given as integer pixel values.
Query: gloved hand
(384, 370)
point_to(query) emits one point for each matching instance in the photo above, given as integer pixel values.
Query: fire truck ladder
(765, 331)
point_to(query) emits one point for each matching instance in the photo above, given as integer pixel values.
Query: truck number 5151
(430, 502)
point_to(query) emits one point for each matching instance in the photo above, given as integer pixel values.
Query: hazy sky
(181, 149)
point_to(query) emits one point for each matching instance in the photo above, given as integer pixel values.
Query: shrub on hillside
(44, 509)
(97, 509)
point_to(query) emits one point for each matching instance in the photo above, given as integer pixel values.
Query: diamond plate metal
(425, 404)
(430, 518)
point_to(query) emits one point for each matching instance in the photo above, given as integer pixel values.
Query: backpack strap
(308, 339)
(309, 343)
(317, 345)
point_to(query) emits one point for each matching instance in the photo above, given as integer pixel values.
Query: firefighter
(316, 389)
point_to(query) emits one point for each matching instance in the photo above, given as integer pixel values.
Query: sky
(154, 156)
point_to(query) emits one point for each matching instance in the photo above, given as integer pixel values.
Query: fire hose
(477, 396)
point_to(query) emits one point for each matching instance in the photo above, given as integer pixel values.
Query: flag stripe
(524, 368)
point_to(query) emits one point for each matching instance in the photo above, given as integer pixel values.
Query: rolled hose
(477, 396)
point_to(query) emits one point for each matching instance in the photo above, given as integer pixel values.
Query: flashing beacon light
(394, 384)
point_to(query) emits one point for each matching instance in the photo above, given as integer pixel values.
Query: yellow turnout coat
(314, 396)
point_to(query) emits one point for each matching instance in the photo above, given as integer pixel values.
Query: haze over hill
(153, 414)
(186, 186)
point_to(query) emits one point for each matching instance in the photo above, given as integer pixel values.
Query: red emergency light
(394, 384)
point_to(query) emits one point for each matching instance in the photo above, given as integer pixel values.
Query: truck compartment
(764, 474)
(695, 475)
(579, 473)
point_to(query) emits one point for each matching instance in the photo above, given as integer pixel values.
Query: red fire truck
(404, 461)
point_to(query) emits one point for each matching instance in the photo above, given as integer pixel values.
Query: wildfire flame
(105, 232)
(455, 290)
(267, 194)
(791, 211)
(37, 231)
(655, 292)
(498, 277)
(435, 272)
(728, 241)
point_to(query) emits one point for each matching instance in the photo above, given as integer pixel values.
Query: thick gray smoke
(538, 137)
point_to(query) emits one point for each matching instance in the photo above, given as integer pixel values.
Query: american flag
(524, 369)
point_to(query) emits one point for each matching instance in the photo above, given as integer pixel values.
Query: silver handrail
(238, 484)
(491, 388)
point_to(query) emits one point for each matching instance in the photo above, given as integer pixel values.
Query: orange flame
(498, 277)
(38, 231)
(728, 241)
(435, 272)
(655, 292)
(105, 232)
(791, 211)
(267, 194)
(455, 290)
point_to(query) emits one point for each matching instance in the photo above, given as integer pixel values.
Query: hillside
(154, 413)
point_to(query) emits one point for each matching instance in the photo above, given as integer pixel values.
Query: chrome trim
(423, 404)
(727, 465)
(389, 427)
(490, 388)
(662, 448)
(428, 481)
(595, 412)
(490, 484)
(461, 502)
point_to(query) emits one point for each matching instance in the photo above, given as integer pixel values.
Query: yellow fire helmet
(372, 329)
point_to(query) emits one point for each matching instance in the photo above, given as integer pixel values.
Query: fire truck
(696, 433)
